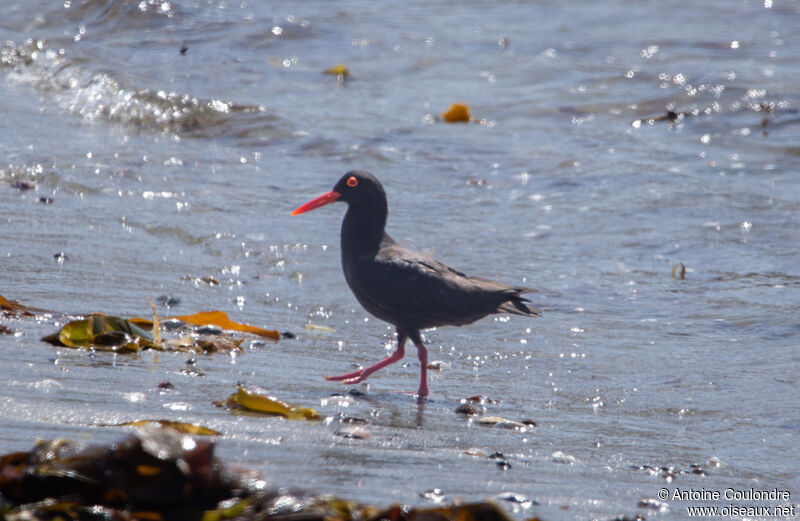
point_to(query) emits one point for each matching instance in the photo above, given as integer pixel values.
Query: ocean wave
(100, 96)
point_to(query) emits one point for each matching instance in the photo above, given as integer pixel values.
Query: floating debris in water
(653, 504)
(470, 409)
(437, 365)
(353, 420)
(168, 301)
(23, 185)
(512, 497)
(475, 453)
(354, 432)
(457, 113)
(435, 494)
(185, 428)
(561, 457)
(671, 473)
(338, 70)
(103, 333)
(256, 399)
(695, 468)
(503, 423)
(15, 309)
(320, 328)
(220, 319)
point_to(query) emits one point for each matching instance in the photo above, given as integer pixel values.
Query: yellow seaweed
(221, 319)
(184, 428)
(14, 308)
(256, 399)
(338, 70)
(103, 332)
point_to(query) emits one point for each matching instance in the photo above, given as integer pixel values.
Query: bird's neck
(363, 230)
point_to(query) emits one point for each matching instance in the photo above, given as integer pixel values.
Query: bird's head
(356, 188)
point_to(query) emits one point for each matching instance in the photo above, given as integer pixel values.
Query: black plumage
(406, 288)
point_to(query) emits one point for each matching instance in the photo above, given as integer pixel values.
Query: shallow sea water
(162, 166)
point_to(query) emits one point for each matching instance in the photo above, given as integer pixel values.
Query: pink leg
(362, 374)
(422, 353)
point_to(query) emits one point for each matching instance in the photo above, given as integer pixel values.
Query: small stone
(354, 433)
(469, 408)
(23, 184)
(435, 494)
(209, 329)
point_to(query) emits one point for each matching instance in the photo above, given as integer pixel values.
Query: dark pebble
(23, 184)
(469, 408)
(496, 455)
(503, 465)
(512, 497)
(172, 323)
(352, 420)
(166, 386)
(209, 330)
(168, 301)
(288, 334)
(46, 200)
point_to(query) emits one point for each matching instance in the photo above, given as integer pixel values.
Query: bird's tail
(516, 305)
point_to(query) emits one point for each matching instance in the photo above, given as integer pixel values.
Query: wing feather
(414, 291)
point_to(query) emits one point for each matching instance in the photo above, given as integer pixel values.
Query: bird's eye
(352, 182)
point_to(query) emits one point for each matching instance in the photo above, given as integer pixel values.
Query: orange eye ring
(352, 182)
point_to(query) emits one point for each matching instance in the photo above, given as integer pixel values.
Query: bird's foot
(349, 378)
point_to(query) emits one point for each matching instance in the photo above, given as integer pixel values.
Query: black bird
(408, 289)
